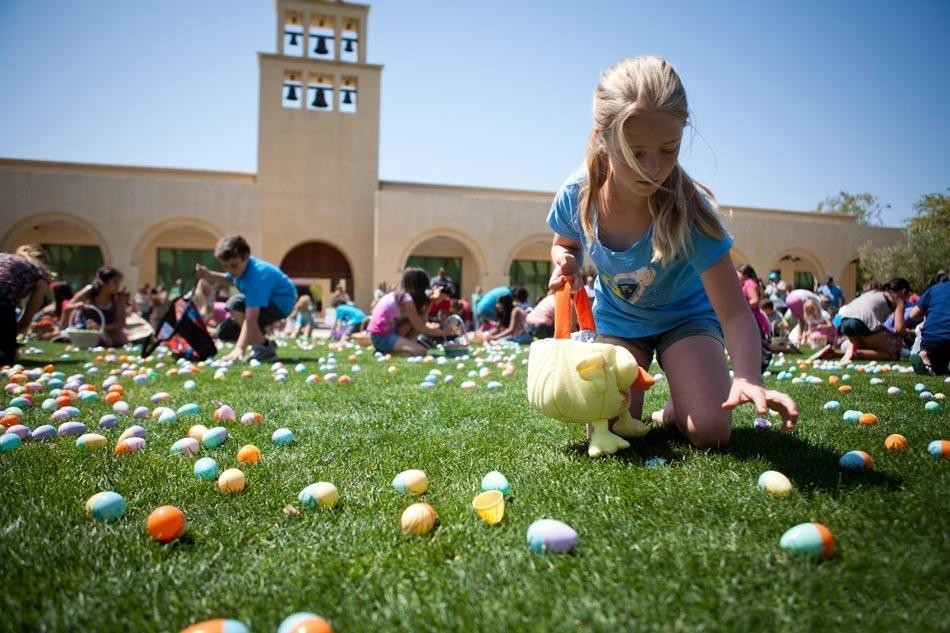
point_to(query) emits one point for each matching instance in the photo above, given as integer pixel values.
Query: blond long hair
(633, 86)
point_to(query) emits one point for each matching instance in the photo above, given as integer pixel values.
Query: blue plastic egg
(282, 436)
(856, 461)
(851, 416)
(552, 536)
(933, 406)
(206, 468)
(832, 405)
(105, 506)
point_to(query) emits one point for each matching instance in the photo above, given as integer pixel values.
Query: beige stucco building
(317, 207)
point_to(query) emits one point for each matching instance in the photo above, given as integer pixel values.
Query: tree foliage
(924, 251)
(864, 207)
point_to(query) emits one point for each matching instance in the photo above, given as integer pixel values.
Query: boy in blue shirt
(266, 295)
(934, 357)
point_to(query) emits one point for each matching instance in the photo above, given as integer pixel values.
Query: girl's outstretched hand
(566, 271)
(743, 391)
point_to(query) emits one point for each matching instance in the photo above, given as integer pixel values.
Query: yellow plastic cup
(490, 506)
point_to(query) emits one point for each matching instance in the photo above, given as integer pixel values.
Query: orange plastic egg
(868, 419)
(833, 380)
(113, 396)
(63, 401)
(165, 523)
(895, 442)
(845, 388)
(249, 454)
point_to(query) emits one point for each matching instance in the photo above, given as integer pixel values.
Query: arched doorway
(529, 265)
(73, 246)
(442, 251)
(168, 253)
(317, 268)
(799, 268)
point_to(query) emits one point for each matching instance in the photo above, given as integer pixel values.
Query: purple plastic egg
(59, 415)
(71, 428)
(108, 421)
(552, 536)
(141, 412)
(43, 432)
(133, 431)
(20, 430)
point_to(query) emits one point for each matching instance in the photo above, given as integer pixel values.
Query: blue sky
(792, 102)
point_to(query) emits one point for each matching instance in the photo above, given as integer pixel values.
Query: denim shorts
(384, 343)
(700, 325)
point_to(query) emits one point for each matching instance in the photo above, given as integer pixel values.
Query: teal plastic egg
(214, 437)
(105, 506)
(282, 436)
(496, 481)
(206, 468)
(809, 539)
(856, 461)
(9, 442)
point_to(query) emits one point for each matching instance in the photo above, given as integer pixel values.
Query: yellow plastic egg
(231, 481)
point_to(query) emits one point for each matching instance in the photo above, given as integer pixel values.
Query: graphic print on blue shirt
(636, 296)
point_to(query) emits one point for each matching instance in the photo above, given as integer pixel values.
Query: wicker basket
(83, 337)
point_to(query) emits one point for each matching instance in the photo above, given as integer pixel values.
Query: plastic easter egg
(304, 623)
(90, 441)
(189, 385)
(411, 482)
(129, 445)
(552, 536)
(218, 625)
(893, 391)
(185, 446)
(249, 454)
(895, 442)
(160, 397)
(206, 468)
(197, 431)
(322, 494)
(49, 405)
(189, 409)
(133, 431)
(939, 448)
(71, 428)
(165, 523)
(831, 405)
(868, 419)
(105, 506)
(108, 421)
(775, 483)
(467, 385)
(166, 415)
(20, 430)
(141, 412)
(88, 396)
(856, 461)
(761, 423)
(214, 437)
(224, 413)
(845, 388)
(44, 432)
(9, 442)
(60, 415)
(282, 436)
(312, 379)
(426, 385)
(22, 403)
(496, 481)
(418, 519)
(252, 417)
(851, 416)
(809, 539)
(933, 406)
(493, 385)
(919, 387)
(231, 481)
(121, 407)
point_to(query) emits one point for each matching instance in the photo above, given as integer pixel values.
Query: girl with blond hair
(665, 282)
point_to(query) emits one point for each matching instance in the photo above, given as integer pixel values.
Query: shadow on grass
(810, 467)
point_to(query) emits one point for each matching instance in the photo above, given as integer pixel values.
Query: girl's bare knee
(710, 433)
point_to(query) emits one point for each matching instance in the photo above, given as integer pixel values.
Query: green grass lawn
(691, 545)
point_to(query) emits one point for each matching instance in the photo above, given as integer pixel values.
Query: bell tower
(318, 136)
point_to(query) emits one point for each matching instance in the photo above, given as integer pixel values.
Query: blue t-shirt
(263, 283)
(935, 304)
(636, 297)
(349, 314)
(485, 309)
(833, 292)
